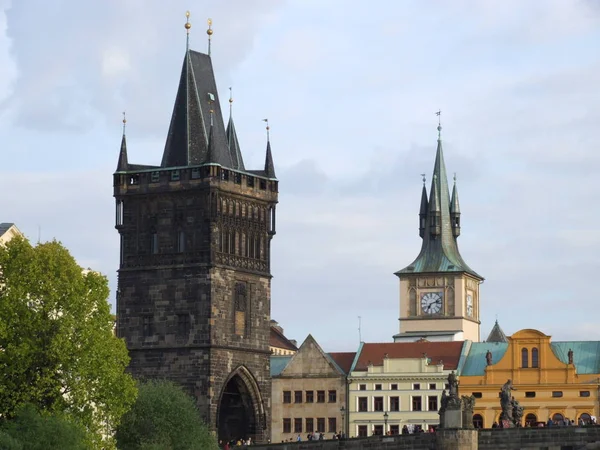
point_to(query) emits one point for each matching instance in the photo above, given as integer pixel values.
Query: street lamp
(385, 418)
(343, 412)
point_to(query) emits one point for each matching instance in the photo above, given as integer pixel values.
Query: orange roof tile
(448, 352)
(278, 340)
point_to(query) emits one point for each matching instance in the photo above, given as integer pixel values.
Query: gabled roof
(5, 226)
(439, 253)
(278, 340)
(187, 141)
(343, 360)
(297, 366)
(497, 335)
(448, 352)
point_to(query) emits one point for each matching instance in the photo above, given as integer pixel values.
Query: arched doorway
(477, 421)
(530, 420)
(240, 411)
(585, 419)
(558, 417)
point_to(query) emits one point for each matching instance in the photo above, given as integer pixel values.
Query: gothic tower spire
(455, 210)
(424, 208)
(269, 166)
(123, 164)
(234, 146)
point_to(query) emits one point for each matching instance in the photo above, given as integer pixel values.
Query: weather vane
(268, 127)
(209, 32)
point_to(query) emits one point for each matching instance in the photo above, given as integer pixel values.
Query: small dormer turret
(455, 211)
(423, 211)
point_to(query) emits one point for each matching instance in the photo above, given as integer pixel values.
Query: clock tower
(439, 292)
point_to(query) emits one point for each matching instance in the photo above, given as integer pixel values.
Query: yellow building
(396, 384)
(558, 380)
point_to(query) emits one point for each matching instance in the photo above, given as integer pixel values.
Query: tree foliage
(164, 417)
(58, 351)
(28, 430)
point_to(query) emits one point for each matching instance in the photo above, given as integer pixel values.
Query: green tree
(32, 431)
(164, 417)
(58, 350)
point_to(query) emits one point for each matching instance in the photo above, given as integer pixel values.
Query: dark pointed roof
(497, 335)
(187, 141)
(439, 253)
(269, 166)
(237, 162)
(454, 204)
(211, 154)
(424, 202)
(123, 165)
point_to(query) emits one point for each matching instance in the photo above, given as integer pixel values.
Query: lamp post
(385, 418)
(343, 412)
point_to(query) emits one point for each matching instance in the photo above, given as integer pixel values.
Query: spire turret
(269, 166)
(237, 161)
(123, 164)
(211, 156)
(497, 335)
(423, 209)
(455, 210)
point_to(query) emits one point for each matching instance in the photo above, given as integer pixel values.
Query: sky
(350, 89)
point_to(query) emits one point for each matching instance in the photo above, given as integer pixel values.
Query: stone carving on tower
(439, 292)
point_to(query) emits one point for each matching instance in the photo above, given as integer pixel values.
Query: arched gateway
(241, 413)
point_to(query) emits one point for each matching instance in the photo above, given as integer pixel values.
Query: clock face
(469, 305)
(431, 302)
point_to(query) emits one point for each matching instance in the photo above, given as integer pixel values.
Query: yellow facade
(552, 380)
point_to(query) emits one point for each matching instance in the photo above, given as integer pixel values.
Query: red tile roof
(278, 340)
(344, 360)
(448, 352)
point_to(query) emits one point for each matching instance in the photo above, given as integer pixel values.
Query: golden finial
(124, 122)
(209, 32)
(268, 127)
(187, 25)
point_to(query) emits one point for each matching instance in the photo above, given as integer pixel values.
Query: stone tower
(193, 299)
(439, 292)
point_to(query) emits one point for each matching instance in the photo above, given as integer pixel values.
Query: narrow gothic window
(221, 241)
(240, 308)
(257, 248)
(181, 242)
(148, 326)
(154, 243)
(251, 246)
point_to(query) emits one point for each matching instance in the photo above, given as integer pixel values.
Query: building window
(377, 387)
(287, 425)
(432, 403)
(557, 394)
(417, 386)
(155, 177)
(584, 393)
(362, 404)
(378, 404)
(297, 396)
(175, 175)
(362, 431)
(394, 403)
(320, 396)
(534, 358)
(432, 386)
(332, 396)
(477, 394)
(237, 178)
(310, 425)
(183, 325)
(321, 424)
(394, 387)
(524, 358)
(297, 425)
(154, 243)
(181, 242)
(394, 429)
(310, 396)
(558, 417)
(287, 396)
(332, 424)
(378, 430)
(250, 181)
(241, 306)
(416, 404)
(362, 387)
(530, 394)
(195, 173)
(148, 326)
(477, 421)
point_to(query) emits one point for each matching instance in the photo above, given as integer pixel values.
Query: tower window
(524, 358)
(119, 212)
(181, 242)
(241, 308)
(263, 184)
(238, 178)
(134, 179)
(225, 175)
(154, 243)
(195, 173)
(250, 181)
(155, 177)
(175, 175)
(148, 326)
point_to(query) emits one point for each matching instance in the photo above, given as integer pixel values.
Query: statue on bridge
(509, 406)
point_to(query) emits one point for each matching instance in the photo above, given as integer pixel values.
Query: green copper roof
(278, 363)
(586, 355)
(439, 252)
(475, 363)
